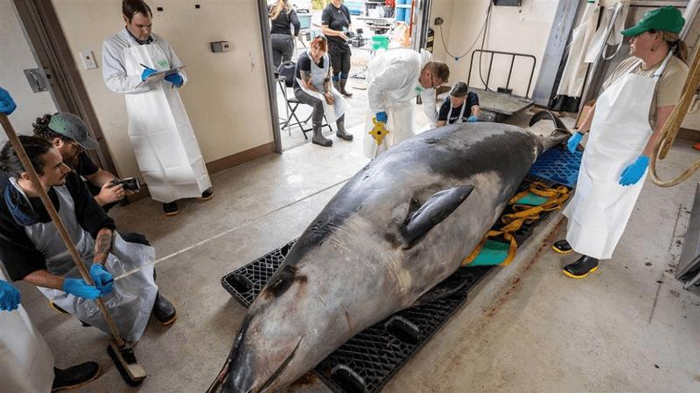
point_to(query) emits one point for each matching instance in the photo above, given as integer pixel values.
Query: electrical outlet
(439, 21)
(88, 60)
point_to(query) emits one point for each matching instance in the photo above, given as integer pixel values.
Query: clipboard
(160, 75)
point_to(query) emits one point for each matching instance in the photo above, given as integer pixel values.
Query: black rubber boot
(336, 85)
(318, 137)
(75, 376)
(581, 268)
(562, 247)
(344, 92)
(341, 133)
(164, 311)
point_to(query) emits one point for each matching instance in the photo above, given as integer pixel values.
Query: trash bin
(380, 42)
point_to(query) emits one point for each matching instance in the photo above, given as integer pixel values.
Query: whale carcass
(400, 226)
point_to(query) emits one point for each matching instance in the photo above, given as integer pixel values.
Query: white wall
(226, 97)
(15, 56)
(523, 29)
(442, 9)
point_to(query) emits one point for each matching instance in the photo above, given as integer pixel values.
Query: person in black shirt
(312, 87)
(32, 250)
(462, 105)
(335, 23)
(69, 134)
(282, 15)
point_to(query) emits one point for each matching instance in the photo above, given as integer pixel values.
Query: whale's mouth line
(281, 368)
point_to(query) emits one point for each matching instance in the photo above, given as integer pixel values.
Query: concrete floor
(526, 328)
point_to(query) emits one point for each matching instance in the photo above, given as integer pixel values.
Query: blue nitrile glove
(102, 278)
(147, 72)
(9, 296)
(634, 171)
(573, 142)
(472, 119)
(175, 79)
(381, 116)
(7, 104)
(78, 287)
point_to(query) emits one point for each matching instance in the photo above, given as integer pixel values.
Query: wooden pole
(34, 178)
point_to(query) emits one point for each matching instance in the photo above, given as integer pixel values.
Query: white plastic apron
(318, 77)
(26, 362)
(460, 119)
(131, 301)
(161, 135)
(601, 207)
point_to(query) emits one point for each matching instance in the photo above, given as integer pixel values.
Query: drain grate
(558, 165)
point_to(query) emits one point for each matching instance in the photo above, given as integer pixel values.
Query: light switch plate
(88, 59)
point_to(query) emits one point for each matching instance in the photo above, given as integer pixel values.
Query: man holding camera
(69, 134)
(31, 249)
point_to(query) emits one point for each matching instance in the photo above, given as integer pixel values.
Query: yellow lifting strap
(522, 214)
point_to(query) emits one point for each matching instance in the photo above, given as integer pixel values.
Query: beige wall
(443, 9)
(522, 29)
(16, 56)
(226, 97)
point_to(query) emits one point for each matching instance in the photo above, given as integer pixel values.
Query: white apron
(161, 135)
(26, 362)
(601, 207)
(460, 119)
(318, 77)
(131, 301)
(574, 74)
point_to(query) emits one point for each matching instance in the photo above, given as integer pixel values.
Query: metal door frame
(270, 75)
(51, 50)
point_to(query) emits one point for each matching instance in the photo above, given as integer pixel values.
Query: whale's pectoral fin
(432, 212)
(446, 288)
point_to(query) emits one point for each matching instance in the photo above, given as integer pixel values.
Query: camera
(129, 183)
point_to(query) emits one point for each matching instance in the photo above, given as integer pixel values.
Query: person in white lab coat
(26, 362)
(161, 134)
(626, 120)
(396, 77)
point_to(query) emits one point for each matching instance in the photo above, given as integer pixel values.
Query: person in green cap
(626, 120)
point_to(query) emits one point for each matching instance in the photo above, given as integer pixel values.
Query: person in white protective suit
(32, 250)
(312, 86)
(625, 122)
(26, 362)
(161, 134)
(396, 77)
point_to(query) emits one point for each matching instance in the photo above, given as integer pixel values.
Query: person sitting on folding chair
(312, 86)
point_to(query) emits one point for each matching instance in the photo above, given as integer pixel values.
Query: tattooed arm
(103, 245)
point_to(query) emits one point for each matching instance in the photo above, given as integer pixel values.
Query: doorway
(393, 19)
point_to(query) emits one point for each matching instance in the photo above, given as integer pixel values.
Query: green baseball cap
(666, 18)
(72, 127)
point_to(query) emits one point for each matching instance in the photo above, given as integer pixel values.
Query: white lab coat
(160, 131)
(574, 74)
(26, 362)
(393, 84)
(601, 207)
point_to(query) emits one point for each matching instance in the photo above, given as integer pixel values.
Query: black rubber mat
(368, 360)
